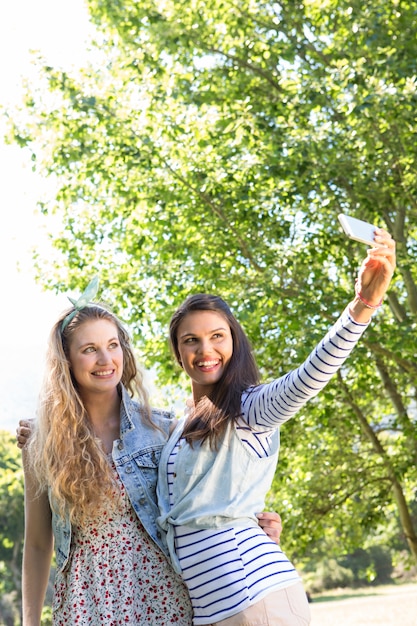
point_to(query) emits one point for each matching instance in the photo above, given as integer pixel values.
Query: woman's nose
(204, 346)
(103, 356)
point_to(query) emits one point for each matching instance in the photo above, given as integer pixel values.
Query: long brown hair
(65, 455)
(210, 417)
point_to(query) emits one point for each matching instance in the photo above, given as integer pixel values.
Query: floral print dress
(117, 575)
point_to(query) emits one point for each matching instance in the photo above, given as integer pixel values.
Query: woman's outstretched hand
(374, 276)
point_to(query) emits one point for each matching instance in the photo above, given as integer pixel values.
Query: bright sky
(60, 30)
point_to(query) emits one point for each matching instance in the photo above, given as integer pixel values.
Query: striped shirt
(228, 569)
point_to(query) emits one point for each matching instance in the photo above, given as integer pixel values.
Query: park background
(60, 30)
(210, 148)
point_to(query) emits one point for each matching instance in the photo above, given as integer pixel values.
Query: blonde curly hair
(65, 455)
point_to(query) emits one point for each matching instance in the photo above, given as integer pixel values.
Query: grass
(346, 594)
(387, 605)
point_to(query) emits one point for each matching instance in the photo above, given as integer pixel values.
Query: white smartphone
(357, 229)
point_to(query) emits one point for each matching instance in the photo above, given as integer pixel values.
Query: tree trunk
(403, 510)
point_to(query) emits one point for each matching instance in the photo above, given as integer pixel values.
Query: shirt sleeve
(272, 404)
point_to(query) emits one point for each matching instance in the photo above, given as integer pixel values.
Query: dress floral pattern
(117, 575)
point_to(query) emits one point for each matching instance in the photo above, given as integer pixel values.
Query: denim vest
(136, 456)
(214, 488)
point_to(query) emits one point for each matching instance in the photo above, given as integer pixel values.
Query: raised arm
(272, 404)
(37, 549)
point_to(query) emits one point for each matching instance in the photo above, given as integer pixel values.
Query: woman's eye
(89, 349)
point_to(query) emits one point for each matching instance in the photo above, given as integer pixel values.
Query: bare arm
(37, 549)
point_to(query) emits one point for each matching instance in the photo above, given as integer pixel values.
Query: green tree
(11, 527)
(210, 147)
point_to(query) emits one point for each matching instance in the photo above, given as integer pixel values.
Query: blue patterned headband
(87, 295)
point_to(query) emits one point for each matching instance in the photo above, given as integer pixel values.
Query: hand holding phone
(358, 229)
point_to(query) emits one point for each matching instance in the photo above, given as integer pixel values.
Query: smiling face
(96, 357)
(205, 347)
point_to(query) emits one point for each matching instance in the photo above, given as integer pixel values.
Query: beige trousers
(285, 607)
